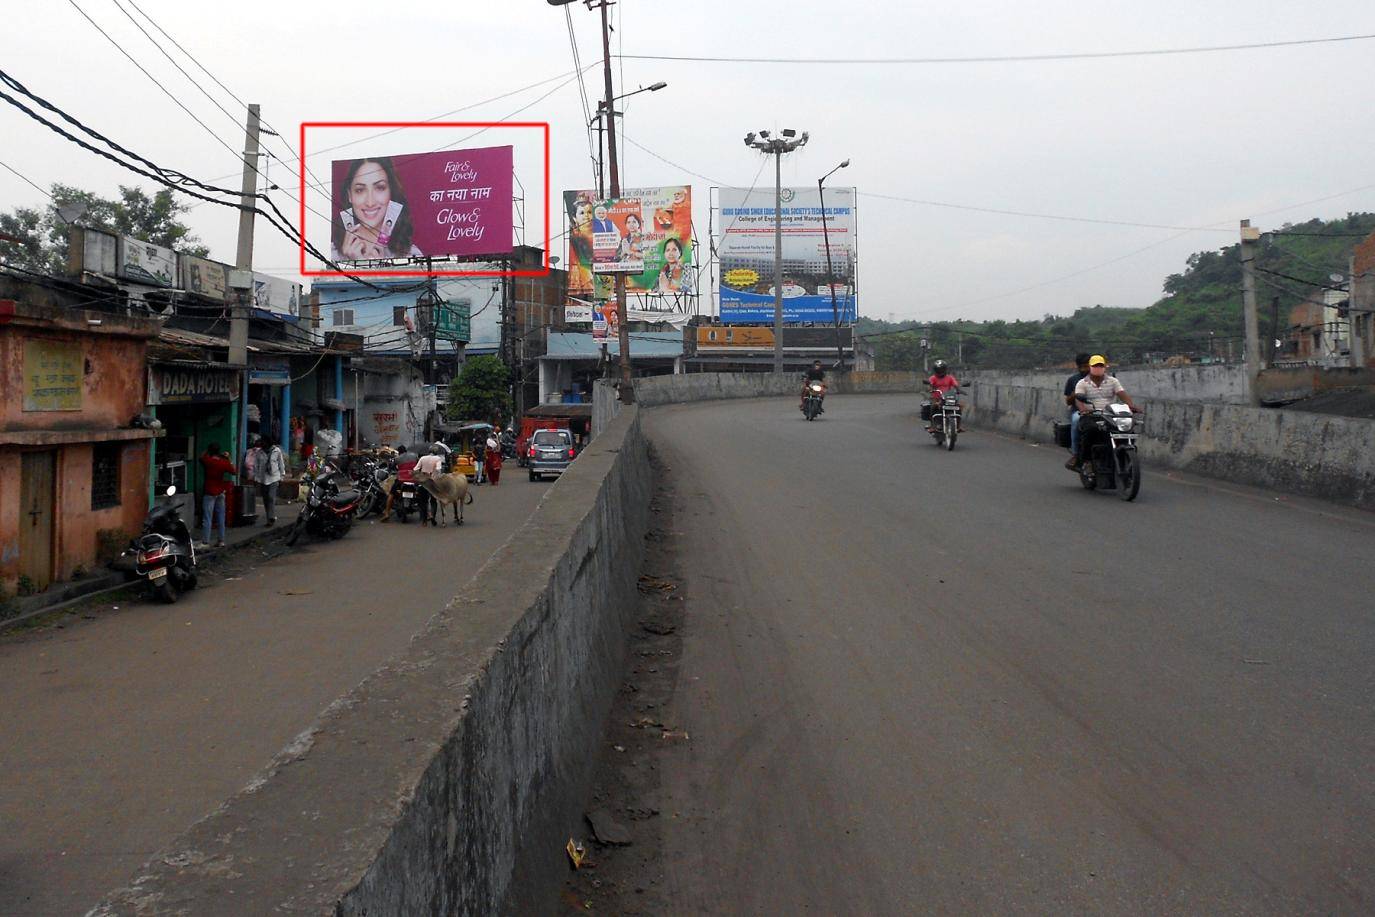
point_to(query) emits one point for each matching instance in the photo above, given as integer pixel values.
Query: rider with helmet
(942, 380)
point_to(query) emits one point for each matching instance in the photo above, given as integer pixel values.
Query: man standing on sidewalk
(271, 470)
(218, 468)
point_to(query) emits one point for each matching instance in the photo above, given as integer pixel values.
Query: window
(552, 438)
(343, 317)
(398, 315)
(105, 475)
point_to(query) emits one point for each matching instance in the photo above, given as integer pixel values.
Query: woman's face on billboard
(370, 194)
(673, 252)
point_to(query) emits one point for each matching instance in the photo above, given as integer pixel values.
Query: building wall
(112, 388)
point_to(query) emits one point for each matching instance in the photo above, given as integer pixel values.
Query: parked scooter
(328, 511)
(165, 555)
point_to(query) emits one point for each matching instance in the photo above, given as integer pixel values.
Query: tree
(482, 391)
(44, 235)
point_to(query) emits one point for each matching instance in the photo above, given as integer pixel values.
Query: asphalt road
(919, 681)
(121, 729)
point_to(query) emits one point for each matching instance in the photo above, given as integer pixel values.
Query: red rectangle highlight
(542, 126)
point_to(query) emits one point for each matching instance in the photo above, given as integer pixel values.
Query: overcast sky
(1175, 140)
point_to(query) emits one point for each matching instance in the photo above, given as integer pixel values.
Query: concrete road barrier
(454, 771)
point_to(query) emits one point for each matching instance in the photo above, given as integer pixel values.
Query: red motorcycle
(328, 512)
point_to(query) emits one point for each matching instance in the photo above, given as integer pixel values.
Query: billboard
(423, 205)
(144, 262)
(746, 250)
(204, 277)
(272, 294)
(645, 234)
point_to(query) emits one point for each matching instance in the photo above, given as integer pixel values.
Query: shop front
(198, 405)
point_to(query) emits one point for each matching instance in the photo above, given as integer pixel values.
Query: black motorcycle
(164, 554)
(371, 484)
(1112, 462)
(813, 399)
(328, 511)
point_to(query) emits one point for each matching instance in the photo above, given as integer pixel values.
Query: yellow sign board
(53, 374)
(733, 336)
(741, 277)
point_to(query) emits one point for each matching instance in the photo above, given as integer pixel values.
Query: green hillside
(1197, 317)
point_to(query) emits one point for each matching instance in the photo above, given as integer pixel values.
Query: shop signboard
(725, 337)
(53, 375)
(178, 384)
(99, 251)
(204, 277)
(423, 205)
(746, 249)
(144, 262)
(577, 313)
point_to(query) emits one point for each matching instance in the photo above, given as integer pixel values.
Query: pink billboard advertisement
(422, 205)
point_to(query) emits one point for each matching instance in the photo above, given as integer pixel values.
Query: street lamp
(777, 146)
(597, 119)
(830, 271)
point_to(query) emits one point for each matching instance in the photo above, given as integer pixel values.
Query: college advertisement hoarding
(746, 250)
(423, 205)
(645, 234)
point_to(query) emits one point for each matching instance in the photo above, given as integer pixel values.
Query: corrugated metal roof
(572, 345)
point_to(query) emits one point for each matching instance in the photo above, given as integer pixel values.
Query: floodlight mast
(777, 147)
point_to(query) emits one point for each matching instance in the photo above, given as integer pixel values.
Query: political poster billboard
(746, 250)
(423, 205)
(644, 234)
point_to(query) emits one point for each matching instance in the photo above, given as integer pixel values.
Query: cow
(449, 489)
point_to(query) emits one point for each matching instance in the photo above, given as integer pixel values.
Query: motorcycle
(812, 399)
(1112, 462)
(508, 445)
(165, 554)
(371, 484)
(945, 420)
(328, 511)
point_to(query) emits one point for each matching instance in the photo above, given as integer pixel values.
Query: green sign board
(453, 321)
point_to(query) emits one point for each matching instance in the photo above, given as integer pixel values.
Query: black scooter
(165, 555)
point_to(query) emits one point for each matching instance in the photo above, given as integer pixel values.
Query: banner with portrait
(745, 246)
(644, 234)
(419, 205)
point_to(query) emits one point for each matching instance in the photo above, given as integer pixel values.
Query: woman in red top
(217, 468)
(942, 381)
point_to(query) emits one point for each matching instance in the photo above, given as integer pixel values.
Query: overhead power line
(24, 177)
(1000, 58)
(1040, 216)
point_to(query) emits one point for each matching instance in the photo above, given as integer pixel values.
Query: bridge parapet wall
(415, 793)
(1315, 455)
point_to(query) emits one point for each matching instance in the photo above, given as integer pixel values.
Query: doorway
(36, 503)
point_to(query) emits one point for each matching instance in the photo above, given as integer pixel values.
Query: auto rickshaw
(465, 442)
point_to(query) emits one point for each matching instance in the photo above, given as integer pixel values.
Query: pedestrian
(491, 463)
(270, 471)
(479, 458)
(429, 467)
(217, 467)
(250, 463)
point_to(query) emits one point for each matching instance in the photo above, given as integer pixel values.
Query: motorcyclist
(406, 458)
(1093, 393)
(814, 374)
(942, 380)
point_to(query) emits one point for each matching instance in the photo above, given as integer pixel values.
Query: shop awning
(67, 437)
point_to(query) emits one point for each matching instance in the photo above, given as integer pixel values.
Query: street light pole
(830, 270)
(777, 147)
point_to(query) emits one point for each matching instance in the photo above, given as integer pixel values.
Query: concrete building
(74, 471)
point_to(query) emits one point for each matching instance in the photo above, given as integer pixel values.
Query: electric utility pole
(238, 322)
(623, 327)
(1250, 235)
(830, 268)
